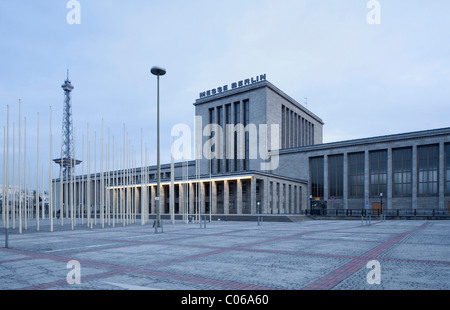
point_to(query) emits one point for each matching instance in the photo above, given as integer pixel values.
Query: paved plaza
(306, 255)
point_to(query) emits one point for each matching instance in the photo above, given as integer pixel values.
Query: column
(202, 197)
(441, 175)
(292, 194)
(389, 179)
(180, 199)
(345, 192)
(226, 201)
(191, 198)
(152, 200)
(265, 205)
(253, 196)
(172, 201)
(280, 197)
(414, 177)
(238, 196)
(274, 197)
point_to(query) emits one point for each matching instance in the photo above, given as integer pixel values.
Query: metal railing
(389, 213)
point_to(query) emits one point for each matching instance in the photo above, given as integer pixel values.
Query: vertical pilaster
(238, 196)
(152, 200)
(265, 205)
(202, 198)
(253, 196)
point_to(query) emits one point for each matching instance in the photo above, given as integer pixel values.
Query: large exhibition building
(261, 151)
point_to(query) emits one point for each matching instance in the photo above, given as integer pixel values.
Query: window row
(230, 114)
(295, 130)
(402, 172)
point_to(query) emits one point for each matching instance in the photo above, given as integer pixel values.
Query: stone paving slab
(309, 255)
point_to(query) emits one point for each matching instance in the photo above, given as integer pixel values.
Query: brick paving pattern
(308, 255)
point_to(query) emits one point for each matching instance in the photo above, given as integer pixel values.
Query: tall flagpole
(43, 193)
(172, 188)
(61, 187)
(142, 184)
(7, 168)
(37, 176)
(20, 179)
(14, 177)
(95, 178)
(4, 177)
(72, 179)
(114, 191)
(50, 174)
(88, 145)
(108, 176)
(82, 183)
(25, 174)
(102, 190)
(123, 175)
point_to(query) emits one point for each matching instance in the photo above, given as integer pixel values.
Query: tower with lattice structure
(67, 161)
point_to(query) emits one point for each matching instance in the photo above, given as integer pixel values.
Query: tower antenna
(67, 161)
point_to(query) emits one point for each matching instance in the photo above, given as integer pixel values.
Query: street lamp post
(158, 71)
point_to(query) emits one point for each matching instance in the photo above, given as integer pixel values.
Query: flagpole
(25, 174)
(50, 174)
(61, 186)
(102, 189)
(95, 178)
(20, 179)
(82, 182)
(14, 178)
(4, 177)
(37, 176)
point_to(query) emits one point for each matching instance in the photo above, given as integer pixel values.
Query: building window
(220, 123)
(237, 120)
(428, 164)
(402, 171)
(378, 173)
(228, 161)
(283, 131)
(212, 120)
(247, 135)
(317, 182)
(447, 165)
(336, 176)
(356, 175)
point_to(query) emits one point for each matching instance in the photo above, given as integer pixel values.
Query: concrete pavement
(310, 255)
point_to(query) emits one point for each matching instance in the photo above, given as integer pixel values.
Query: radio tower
(67, 162)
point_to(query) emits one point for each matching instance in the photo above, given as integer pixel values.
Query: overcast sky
(363, 80)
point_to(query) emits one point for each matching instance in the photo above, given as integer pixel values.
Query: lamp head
(158, 71)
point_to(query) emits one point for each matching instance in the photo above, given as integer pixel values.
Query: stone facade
(271, 173)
